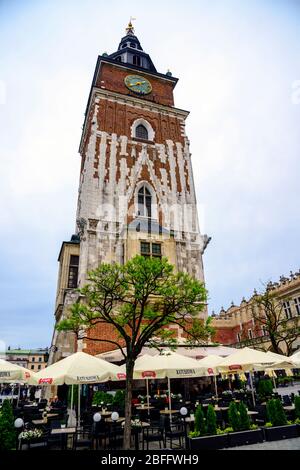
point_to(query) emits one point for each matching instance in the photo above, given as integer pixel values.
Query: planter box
(208, 442)
(277, 433)
(242, 438)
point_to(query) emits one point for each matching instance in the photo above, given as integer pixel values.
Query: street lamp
(184, 411)
(18, 424)
(115, 416)
(97, 417)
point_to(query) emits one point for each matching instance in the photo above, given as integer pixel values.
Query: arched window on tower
(141, 132)
(144, 202)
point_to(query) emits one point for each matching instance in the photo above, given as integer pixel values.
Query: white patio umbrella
(209, 364)
(280, 361)
(170, 366)
(78, 368)
(12, 373)
(246, 359)
(296, 359)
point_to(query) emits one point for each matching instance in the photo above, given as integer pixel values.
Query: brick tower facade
(136, 191)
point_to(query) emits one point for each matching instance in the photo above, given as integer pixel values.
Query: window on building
(264, 330)
(136, 60)
(33, 359)
(141, 132)
(32, 367)
(132, 45)
(151, 249)
(39, 367)
(250, 334)
(40, 359)
(297, 305)
(119, 59)
(144, 202)
(73, 272)
(287, 309)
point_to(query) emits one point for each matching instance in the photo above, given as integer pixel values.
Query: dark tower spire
(131, 52)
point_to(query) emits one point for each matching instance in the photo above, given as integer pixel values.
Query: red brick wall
(113, 78)
(118, 118)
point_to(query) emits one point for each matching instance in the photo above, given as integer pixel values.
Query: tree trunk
(128, 403)
(274, 344)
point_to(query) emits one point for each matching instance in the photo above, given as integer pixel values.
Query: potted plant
(101, 398)
(265, 389)
(31, 436)
(277, 426)
(206, 436)
(241, 431)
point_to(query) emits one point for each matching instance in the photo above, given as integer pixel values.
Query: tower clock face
(138, 84)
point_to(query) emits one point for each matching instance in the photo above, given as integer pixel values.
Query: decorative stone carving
(81, 224)
(93, 223)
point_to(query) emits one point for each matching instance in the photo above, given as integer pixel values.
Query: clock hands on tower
(138, 84)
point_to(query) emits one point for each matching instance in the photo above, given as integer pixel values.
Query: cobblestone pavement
(285, 444)
(288, 390)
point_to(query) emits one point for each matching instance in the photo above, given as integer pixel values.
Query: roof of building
(25, 351)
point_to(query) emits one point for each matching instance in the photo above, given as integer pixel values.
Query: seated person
(56, 403)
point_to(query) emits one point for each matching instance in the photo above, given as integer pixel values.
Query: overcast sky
(239, 71)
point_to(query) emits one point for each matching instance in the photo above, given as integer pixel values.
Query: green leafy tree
(211, 420)
(234, 417)
(244, 418)
(139, 300)
(7, 430)
(200, 422)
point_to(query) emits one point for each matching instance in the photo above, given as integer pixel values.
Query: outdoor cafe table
(41, 421)
(140, 408)
(168, 412)
(64, 432)
(119, 420)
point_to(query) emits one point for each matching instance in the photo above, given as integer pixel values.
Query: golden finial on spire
(130, 28)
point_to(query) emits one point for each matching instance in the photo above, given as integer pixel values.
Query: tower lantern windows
(136, 60)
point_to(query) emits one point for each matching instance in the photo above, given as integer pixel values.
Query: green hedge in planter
(211, 420)
(200, 425)
(234, 417)
(7, 430)
(245, 420)
(275, 412)
(297, 407)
